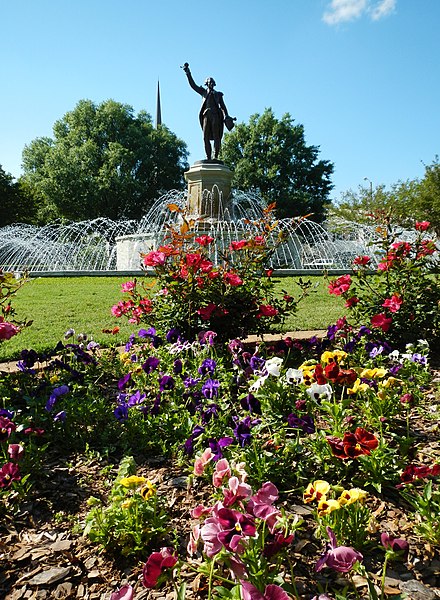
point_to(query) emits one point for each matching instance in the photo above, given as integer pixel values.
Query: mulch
(43, 554)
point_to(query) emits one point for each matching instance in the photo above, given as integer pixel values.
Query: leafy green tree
(271, 156)
(405, 202)
(104, 161)
(16, 204)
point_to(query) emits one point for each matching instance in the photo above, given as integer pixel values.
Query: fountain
(102, 246)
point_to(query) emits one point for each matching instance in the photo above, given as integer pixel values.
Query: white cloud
(382, 9)
(344, 10)
(340, 11)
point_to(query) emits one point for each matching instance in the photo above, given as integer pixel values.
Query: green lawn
(83, 303)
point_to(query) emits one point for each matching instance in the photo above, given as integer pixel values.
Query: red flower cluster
(412, 472)
(353, 444)
(332, 372)
(339, 286)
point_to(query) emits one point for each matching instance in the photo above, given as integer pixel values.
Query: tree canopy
(104, 161)
(17, 204)
(271, 156)
(406, 201)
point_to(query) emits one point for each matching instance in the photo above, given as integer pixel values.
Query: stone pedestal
(209, 187)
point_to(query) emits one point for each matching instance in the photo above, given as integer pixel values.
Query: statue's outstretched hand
(186, 67)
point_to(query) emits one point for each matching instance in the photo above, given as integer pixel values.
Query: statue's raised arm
(213, 113)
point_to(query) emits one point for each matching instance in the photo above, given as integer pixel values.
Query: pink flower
(16, 452)
(128, 286)
(271, 592)
(340, 286)
(234, 527)
(201, 461)
(265, 310)
(422, 225)
(6, 428)
(395, 544)
(204, 240)
(7, 330)
(361, 260)
(206, 312)
(232, 279)
(381, 321)
(351, 302)
(222, 470)
(261, 505)
(194, 537)
(238, 245)
(200, 510)
(9, 473)
(124, 593)
(155, 565)
(235, 492)
(154, 259)
(393, 304)
(339, 558)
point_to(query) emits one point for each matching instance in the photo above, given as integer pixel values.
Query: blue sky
(360, 75)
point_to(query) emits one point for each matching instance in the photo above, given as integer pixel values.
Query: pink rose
(7, 330)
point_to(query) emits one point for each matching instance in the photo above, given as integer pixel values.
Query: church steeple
(158, 109)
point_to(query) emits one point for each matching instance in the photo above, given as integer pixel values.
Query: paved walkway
(11, 367)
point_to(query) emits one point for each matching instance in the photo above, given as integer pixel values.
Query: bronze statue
(213, 113)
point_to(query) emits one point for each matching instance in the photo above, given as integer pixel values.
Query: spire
(158, 111)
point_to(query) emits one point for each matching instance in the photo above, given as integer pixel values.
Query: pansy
(156, 564)
(210, 388)
(294, 376)
(124, 593)
(325, 507)
(316, 391)
(16, 452)
(339, 558)
(316, 491)
(397, 545)
(234, 527)
(207, 366)
(353, 444)
(273, 366)
(271, 592)
(9, 473)
(348, 497)
(6, 428)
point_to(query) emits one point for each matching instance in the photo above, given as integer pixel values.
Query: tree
(405, 202)
(104, 161)
(16, 204)
(271, 156)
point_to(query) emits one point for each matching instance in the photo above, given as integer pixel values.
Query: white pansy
(273, 366)
(317, 391)
(294, 376)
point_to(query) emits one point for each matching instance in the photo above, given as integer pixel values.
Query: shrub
(401, 300)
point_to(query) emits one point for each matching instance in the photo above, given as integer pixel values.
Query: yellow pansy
(353, 495)
(147, 490)
(54, 379)
(124, 357)
(358, 386)
(316, 491)
(133, 481)
(390, 382)
(328, 357)
(325, 507)
(376, 373)
(127, 503)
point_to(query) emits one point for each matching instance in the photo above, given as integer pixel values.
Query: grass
(83, 303)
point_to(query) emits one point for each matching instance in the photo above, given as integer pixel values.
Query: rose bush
(233, 295)
(400, 301)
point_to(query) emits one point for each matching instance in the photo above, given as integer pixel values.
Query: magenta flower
(339, 558)
(7, 330)
(235, 526)
(16, 452)
(261, 505)
(395, 544)
(155, 565)
(9, 473)
(124, 593)
(271, 592)
(6, 428)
